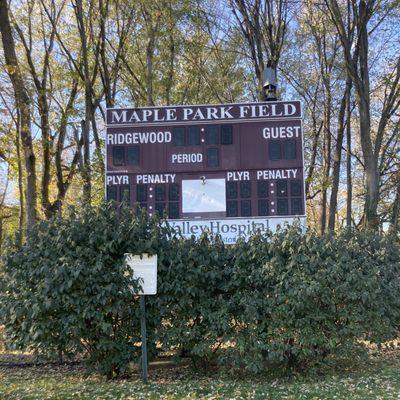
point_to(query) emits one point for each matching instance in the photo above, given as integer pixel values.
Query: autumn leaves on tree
(64, 61)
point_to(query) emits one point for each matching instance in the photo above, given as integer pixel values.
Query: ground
(377, 377)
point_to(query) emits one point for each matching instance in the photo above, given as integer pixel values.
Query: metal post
(144, 337)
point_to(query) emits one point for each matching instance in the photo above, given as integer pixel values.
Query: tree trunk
(394, 220)
(327, 154)
(370, 159)
(87, 185)
(21, 216)
(338, 158)
(349, 183)
(149, 67)
(1, 234)
(85, 124)
(23, 104)
(314, 150)
(171, 66)
(371, 165)
(46, 143)
(356, 62)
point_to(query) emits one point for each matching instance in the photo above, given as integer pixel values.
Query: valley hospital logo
(229, 230)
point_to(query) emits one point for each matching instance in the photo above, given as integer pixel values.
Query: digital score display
(231, 169)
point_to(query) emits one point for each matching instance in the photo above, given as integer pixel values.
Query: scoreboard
(230, 169)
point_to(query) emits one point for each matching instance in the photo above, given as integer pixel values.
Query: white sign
(144, 268)
(231, 229)
(203, 195)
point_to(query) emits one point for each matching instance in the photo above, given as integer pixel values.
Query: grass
(378, 377)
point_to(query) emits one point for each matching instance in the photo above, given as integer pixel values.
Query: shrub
(310, 296)
(193, 298)
(67, 290)
(288, 299)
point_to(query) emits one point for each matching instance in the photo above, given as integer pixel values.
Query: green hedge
(288, 299)
(66, 290)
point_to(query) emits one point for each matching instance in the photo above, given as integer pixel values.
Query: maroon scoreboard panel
(231, 169)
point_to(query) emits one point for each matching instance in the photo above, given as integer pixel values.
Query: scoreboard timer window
(232, 169)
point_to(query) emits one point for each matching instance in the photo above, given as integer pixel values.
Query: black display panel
(231, 209)
(118, 155)
(133, 155)
(194, 136)
(226, 134)
(283, 207)
(231, 190)
(275, 150)
(213, 157)
(212, 133)
(245, 208)
(141, 193)
(178, 135)
(263, 207)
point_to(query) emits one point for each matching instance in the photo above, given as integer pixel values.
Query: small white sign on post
(144, 267)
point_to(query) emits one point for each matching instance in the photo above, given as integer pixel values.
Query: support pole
(144, 337)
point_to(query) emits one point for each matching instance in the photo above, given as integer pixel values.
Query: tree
(263, 24)
(24, 109)
(356, 53)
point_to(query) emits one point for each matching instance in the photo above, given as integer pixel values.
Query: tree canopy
(64, 61)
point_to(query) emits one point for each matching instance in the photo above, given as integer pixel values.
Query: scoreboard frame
(225, 163)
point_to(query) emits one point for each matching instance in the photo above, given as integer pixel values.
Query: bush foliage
(286, 299)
